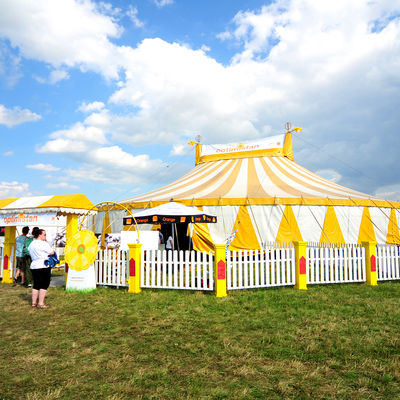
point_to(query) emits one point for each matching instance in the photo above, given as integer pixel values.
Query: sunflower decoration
(81, 250)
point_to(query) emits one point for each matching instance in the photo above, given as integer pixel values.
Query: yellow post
(220, 270)
(72, 228)
(9, 244)
(300, 250)
(135, 251)
(370, 262)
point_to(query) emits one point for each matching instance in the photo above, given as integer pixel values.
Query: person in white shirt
(39, 251)
(169, 245)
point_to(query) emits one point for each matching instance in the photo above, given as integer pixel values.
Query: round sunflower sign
(81, 250)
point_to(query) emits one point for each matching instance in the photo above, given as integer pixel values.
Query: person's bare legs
(35, 295)
(42, 295)
(22, 277)
(17, 274)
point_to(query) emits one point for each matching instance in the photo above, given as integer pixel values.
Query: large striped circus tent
(261, 195)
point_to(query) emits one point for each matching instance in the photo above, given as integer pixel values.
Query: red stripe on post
(132, 267)
(373, 263)
(66, 268)
(302, 266)
(221, 270)
(5, 265)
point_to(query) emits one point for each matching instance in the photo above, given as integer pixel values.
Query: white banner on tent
(81, 280)
(274, 142)
(25, 219)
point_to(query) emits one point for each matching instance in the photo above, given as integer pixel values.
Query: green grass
(330, 342)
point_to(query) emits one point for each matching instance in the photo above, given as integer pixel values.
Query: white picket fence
(336, 264)
(271, 266)
(249, 269)
(111, 268)
(387, 262)
(187, 270)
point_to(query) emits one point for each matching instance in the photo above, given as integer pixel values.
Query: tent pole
(177, 237)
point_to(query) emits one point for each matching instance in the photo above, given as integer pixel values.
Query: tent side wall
(314, 224)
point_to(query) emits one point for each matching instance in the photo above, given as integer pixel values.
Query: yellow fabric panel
(366, 233)
(69, 201)
(6, 202)
(201, 238)
(331, 232)
(246, 237)
(393, 236)
(288, 229)
(288, 146)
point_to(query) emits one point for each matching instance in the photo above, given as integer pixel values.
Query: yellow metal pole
(72, 228)
(370, 263)
(300, 250)
(9, 244)
(220, 271)
(135, 252)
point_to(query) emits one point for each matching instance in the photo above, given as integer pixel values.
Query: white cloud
(114, 166)
(8, 153)
(329, 174)
(181, 149)
(61, 185)
(90, 107)
(67, 33)
(162, 3)
(54, 77)
(132, 13)
(43, 167)
(78, 138)
(14, 189)
(15, 116)
(391, 192)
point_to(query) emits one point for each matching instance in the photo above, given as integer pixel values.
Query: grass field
(330, 342)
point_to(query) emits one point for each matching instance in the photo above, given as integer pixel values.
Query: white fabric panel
(116, 217)
(266, 220)
(226, 217)
(99, 221)
(266, 183)
(28, 202)
(349, 220)
(380, 218)
(398, 217)
(239, 188)
(310, 220)
(291, 183)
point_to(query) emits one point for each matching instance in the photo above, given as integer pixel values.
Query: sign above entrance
(26, 219)
(270, 146)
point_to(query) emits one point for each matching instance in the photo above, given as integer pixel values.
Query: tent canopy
(253, 174)
(261, 195)
(60, 204)
(170, 212)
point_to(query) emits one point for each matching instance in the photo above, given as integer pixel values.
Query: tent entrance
(178, 232)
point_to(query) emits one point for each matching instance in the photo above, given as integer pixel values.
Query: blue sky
(101, 98)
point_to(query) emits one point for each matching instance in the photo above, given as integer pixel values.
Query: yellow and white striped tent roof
(62, 204)
(242, 178)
